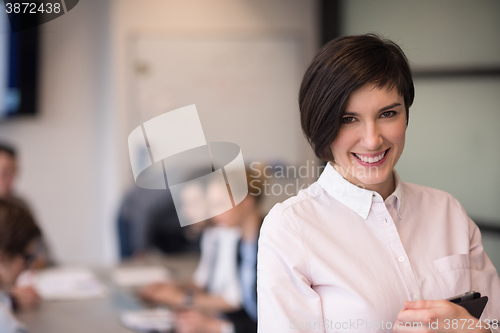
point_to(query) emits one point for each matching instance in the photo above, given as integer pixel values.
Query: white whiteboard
(452, 142)
(245, 88)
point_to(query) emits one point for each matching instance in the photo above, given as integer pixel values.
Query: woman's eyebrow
(389, 107)
(349, 113)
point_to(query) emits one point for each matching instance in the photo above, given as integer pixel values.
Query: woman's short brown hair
(17, 228)
(341, 67)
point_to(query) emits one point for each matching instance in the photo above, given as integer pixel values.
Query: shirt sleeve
(216, 272)
(285, 297)
(484, 277)
(200, 276)
(8, 323)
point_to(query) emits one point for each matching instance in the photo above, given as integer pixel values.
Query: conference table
(102, 315)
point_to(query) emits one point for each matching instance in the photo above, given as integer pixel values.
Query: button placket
(396, 247)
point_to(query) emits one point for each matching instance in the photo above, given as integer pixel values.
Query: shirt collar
(396, 196)
(398, 193)
(356, 198)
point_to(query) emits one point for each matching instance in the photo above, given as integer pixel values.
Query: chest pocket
(452, 274)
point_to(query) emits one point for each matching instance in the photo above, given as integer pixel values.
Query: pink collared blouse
(337, 258)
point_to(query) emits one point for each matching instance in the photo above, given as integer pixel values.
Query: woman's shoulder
(302, 199)
(283, 214)
(419, 193)
(9, 323)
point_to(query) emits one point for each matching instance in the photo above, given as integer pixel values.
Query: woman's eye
(388, 114)
(348, 120)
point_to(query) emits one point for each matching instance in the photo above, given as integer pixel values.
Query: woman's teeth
(371, 159)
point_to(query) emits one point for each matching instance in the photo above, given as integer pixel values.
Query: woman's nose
(371, 137)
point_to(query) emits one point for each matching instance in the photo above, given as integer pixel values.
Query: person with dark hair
(24, 297)
(18, 240)
(360, 250)
(147, 221)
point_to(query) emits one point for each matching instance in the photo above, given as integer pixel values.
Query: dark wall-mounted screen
(18, 70)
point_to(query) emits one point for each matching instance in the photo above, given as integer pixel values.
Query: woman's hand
(163, 293)
(190, 321)
(437, 316)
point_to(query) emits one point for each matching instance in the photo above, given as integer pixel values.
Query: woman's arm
(286, 300)
(484, 277)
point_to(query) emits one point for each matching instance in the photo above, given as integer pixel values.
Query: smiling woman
(359, 249)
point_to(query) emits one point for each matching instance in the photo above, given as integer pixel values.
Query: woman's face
(371, 137)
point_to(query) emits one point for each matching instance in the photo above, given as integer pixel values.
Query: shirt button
(416, 297)
(401, 259)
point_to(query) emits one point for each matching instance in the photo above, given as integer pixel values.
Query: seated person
(8, 173)
(229, 250)
(215, 285)
(19, 236)
(215, 281)
(147, 221)
(25, 297)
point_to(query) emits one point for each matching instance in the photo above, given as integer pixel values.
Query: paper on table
(140, 276)
(157, 320)
(67, 283)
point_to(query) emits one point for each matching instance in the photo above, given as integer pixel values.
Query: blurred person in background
(214, 282)
(225, 296)
(24, 297)
(19, 236)
(147, 221)
(8, 172)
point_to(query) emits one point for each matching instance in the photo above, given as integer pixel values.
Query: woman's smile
(370, 160)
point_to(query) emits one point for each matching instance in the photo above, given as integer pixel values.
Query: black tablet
(472, 302)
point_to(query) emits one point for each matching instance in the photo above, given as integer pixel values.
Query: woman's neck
(385, 189)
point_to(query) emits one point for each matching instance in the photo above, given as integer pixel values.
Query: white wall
(447, 33)
(74, 155)
(203, 18)
(60, 161)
